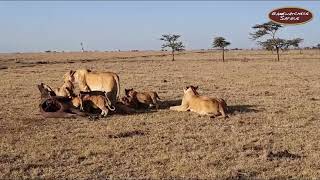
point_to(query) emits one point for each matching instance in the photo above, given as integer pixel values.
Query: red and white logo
(290, 15)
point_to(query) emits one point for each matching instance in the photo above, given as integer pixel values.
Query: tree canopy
(220, 42)
(269, 28)
(171, 41)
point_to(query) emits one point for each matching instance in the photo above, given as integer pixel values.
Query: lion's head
(129, 101)
(69, 76)
(130, 92)
(76, 76)
(191, 89)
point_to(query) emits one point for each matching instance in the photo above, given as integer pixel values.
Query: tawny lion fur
(66, 90)
(96, 81)
(201, 104)
(98, 101)
(147, 99)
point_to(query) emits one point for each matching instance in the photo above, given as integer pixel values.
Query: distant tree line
(269, 30)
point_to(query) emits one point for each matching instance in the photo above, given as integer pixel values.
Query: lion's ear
(196, 87)
(71, 72)
(185, 89)
(89, 70)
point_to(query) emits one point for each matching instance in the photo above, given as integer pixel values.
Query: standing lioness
(96, 81)
(200, 104)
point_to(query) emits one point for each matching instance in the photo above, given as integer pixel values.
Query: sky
(33, 26)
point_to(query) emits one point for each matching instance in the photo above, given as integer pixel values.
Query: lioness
(97, 98)
(146, 99)
(201, 104)
(66, 90)
(96, 81)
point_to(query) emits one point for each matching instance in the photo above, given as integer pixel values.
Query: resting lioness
(97, 98)
(66, 90)
(145, 99)
(201, 104)
(96, 81)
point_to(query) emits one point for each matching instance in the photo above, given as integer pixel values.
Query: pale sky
(108, 25)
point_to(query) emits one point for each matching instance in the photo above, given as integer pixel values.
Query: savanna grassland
(273, 129)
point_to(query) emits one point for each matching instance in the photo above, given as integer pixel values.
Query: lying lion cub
(98, 100)
(145, 99)
(201, 104)
(66, 90)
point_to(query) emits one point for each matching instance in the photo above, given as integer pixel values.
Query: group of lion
(102, 90)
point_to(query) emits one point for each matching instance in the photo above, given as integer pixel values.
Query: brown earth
(272, 132)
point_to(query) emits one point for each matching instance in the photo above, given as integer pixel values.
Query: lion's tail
(108, 102)
(118, 87)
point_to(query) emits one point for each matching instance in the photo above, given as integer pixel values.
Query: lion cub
(66, 90)
(145, 99)
(130, 102)
(201, 104)
(98, 99)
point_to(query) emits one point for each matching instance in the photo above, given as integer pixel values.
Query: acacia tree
(295, 43)
(283, 44)
(271, 44)
(171, 41)
(270, 29)
(220, 42)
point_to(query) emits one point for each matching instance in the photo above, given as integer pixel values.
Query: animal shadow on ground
(3, 67)
(282, 155)
(241, 174)
(94, 114)
(167, 104)
(235, 109)
(97, 116)
(127, 134)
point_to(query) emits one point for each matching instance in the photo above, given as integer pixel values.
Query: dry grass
(272, 132)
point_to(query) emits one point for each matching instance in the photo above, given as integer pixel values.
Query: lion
(97, 99)
(201, 104)
(66, 90)
(96, 81)
(145, 99)
(131, 102)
